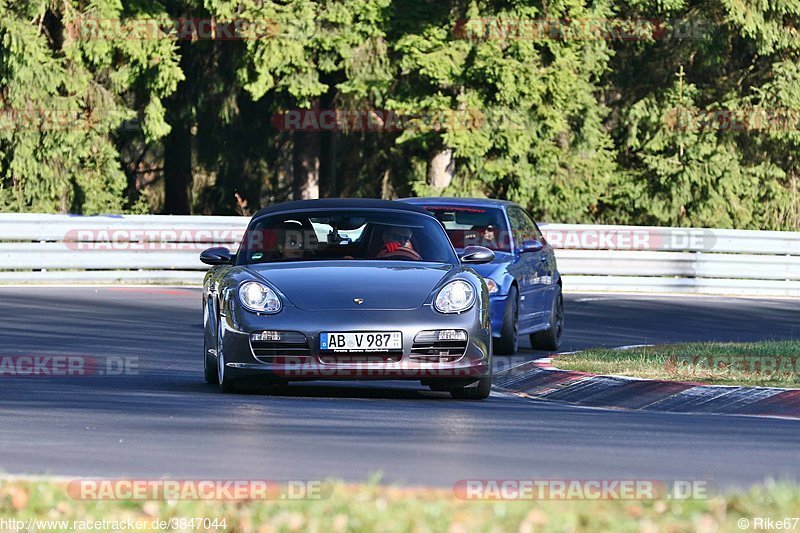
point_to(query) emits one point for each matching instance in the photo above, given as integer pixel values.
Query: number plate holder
(361, 342)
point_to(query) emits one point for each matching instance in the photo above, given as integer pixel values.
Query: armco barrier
(686, 260)
(105, 249)
(165, 249)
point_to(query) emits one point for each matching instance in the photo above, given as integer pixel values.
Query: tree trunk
(327, 174)
(306, 165)
(441, 169)
(178, 170)
(387, 190)
(178, 145)
(328, 142)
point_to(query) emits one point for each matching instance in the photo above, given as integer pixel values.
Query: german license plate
(372, 341)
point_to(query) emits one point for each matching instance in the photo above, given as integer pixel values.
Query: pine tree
(64, 94)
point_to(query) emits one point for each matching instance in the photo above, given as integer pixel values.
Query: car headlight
(455, 297)
(493, 286)
(258, 297)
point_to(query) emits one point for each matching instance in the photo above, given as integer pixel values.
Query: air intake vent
(428, 346)
(286, 345)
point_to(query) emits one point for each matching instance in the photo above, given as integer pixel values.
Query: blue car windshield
(473, 226)
(356, 235)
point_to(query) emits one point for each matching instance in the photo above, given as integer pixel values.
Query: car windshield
(356, 235)
(473, 226)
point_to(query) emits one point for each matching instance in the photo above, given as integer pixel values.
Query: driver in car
(397, 244)
(489, 237)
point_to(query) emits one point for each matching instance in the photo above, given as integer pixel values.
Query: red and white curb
(541, 380)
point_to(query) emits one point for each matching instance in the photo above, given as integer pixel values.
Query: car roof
(339, 203)
(448, 200)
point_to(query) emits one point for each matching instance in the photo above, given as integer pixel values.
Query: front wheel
(550, 339)
(507, 343)
(225, 380)
(210, 372)
(479, 392)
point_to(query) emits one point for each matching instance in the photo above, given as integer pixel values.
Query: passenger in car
(290, 245)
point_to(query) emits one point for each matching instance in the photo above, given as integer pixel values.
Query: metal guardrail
(165, 249)
(685, 260)
(137, 249)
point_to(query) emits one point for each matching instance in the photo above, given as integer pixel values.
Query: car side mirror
(531, 246)
(216, 256)
(477, 255)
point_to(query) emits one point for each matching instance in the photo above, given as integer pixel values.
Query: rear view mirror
(477, 255)
(216, 256)
(531, 246)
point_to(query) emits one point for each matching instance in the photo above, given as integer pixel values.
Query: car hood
(334, 285)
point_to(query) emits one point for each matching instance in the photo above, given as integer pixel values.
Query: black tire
(508, 341)
(210, 372)
(550, 339)
(481, 392)
(224, 378)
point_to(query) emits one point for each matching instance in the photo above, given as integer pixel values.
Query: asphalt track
(164, 421)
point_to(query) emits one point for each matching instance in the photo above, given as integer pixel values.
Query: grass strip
(757, 364)
(373, 507)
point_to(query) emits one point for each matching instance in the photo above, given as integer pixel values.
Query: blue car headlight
(455, 297)
(259, 298)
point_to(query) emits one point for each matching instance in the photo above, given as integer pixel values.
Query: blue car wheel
(507, 343)
(550, 339)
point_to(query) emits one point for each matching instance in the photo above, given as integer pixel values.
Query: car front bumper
(241, 361)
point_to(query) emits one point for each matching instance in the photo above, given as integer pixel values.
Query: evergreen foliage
(612, 111)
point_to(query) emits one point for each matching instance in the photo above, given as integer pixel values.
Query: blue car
(523, 279)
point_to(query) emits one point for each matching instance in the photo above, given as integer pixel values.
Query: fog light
(266, 336)
(452, 335)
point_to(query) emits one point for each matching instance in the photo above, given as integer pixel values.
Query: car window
(323, 229)
(532, 224)
(522, 225)
(473, 226)
(345, 235)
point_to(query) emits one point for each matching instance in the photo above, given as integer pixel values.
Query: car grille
(293, 346)
(428, 348)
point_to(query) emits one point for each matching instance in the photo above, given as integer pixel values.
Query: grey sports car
(347, 289)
